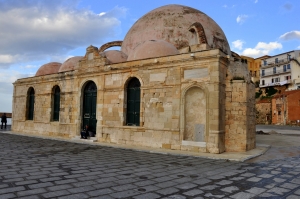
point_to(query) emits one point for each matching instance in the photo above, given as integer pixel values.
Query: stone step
(89, 139)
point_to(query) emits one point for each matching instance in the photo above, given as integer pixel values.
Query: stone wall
(240, 110)
(187, 103)
(263, 111)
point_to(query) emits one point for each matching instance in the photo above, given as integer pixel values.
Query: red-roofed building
(286, 108)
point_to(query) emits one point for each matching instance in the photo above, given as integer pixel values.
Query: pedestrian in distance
(3, 121)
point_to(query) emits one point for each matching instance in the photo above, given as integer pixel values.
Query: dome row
(160, 32)
(56, 67)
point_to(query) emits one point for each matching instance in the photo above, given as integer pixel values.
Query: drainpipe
(284, 110)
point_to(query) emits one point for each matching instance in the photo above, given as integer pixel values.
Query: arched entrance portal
(89, 106)
(133, 102)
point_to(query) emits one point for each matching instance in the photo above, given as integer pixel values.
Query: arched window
(56, 103)
(133, 102)
(30, 104)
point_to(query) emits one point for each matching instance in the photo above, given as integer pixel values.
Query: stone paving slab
(33, 167)
(260, 149)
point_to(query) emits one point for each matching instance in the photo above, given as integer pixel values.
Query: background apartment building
(281, 70)
(254, 66)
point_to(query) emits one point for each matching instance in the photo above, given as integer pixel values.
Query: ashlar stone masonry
(184, 92)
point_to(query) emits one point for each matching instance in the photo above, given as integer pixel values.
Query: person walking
(3, 121)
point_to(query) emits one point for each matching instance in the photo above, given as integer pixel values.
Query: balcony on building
(275, 72)
(289, 81)
(277, 62)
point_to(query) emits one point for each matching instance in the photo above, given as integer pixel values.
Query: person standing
(3, 120)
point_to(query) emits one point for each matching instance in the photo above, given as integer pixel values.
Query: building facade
(281, 70)
(286, 108)
(254, 66)
(182, 91)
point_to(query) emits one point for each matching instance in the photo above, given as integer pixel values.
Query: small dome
(114, 56)
(70, 64)
(151, 49)
(47, 69)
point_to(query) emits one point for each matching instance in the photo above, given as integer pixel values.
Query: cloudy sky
(35, 32)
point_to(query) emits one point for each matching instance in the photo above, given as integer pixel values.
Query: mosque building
(174, 84)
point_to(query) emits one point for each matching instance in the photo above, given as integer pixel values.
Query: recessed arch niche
(195, 115)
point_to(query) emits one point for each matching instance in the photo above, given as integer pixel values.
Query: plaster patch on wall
(195, 73)
(199, 132)
(158, 77)
(90, 56)
(108, 80)
(116, 77)
(153, 100)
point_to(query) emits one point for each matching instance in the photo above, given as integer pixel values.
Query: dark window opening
(30, 104)
(133, 102)
(56, 103)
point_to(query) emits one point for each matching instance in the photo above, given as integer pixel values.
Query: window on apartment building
(251, 73)
(262, 82)
(274, 70)
(262, 72)
(284, 68)
(277, 79)
(287, 77)
(276, 60)
(265, 62)
(288, 66)
(254, 73)
(279, 112)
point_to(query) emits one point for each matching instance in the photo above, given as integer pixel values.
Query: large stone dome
(70, 64)
(173, 23)
(49, 68)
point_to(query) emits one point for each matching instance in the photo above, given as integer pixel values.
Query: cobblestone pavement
(42, 168)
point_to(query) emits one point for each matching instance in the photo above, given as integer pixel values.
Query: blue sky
(35, 32)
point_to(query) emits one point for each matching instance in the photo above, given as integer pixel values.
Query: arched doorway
(133, 102)
(89, 106)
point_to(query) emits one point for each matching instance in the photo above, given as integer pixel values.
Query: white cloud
(102, 13)
(256, 1)
(241, 19)
(298, 47)
(7, 80)
(261, 49)
(226, 6)
(6, 88)
(29, 66)
(34, 30)
(6, 59)
(238, 44)
(291, 35)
